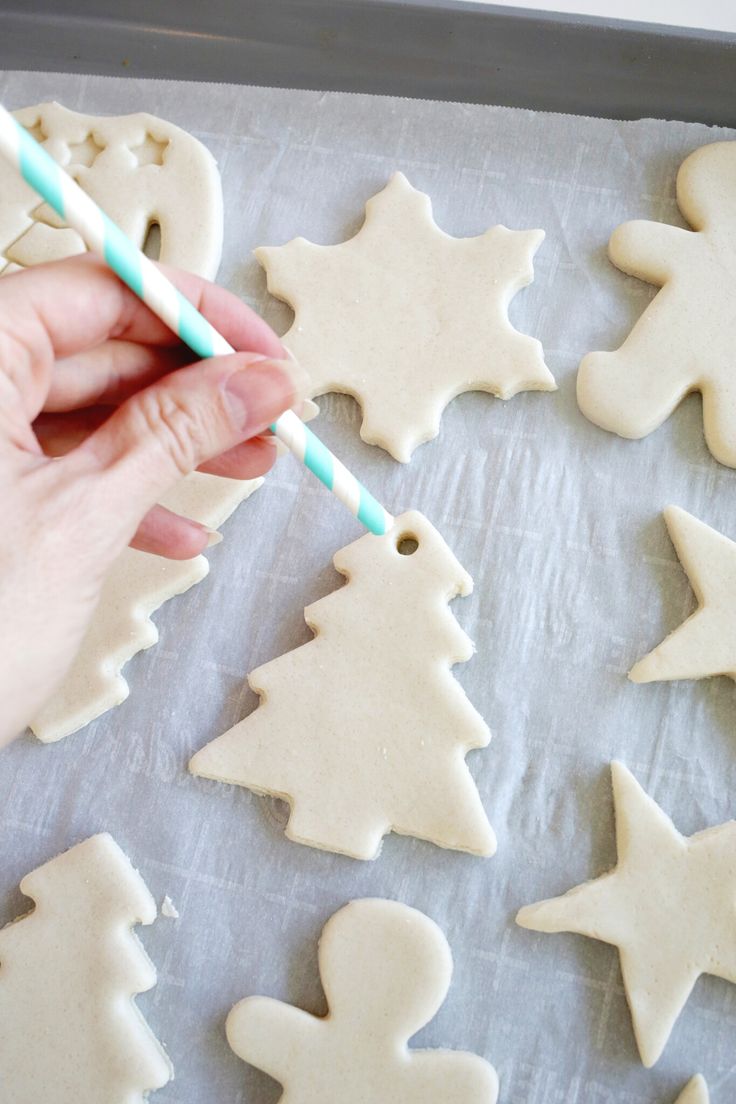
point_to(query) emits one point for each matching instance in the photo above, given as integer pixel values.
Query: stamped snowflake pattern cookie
(669, 906)
(142, 171)
(69, 1030)
(695, 1092)
(363, 730)
(684, 341)
(404, 317)
(386, 970)
(705, 644)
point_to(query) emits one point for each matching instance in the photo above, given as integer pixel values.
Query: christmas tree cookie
(404, 317)
(684, 340)
(136, 585)
(386, 970)
(705, 644)
(364, 729)
(69, 1030)
(669, 906)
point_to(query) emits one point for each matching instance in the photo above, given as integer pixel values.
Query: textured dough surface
(695, 1092)
(669, 906)
(705, 644)
(136, 586)
(360, 731)
(386, 969)
(70, 1032)
(404, 317)
(684, 340)
(141, 170)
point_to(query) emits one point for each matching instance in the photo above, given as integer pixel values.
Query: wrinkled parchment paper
(560, 525)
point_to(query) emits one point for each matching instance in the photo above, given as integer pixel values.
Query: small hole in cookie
(152, 242)
(407, 545)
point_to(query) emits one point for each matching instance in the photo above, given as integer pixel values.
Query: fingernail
(213, 537)
(298, 376)
(248, 404)
(304, 408)
(308, 410)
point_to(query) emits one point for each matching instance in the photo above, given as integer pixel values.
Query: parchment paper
(560, 525)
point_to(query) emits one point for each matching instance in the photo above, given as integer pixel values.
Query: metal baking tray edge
(435, 49)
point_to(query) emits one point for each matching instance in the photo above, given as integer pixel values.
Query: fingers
(110, 373)
(161, 532)
(248, 460)
(165, 533)
(59, 310)
(60, 433)
(179, 424)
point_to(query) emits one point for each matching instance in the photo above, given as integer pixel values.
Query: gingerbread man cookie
(685, 339)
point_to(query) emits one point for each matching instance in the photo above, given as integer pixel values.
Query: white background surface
(712, 14)
(716, 15)
(560, 525)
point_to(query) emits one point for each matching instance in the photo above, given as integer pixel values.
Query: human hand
(102, 410)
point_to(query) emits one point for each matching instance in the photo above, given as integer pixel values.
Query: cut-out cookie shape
(141, 170)
(695, 1092)
(385, 970)
(135, 587)
(705, 644)
(405, 317)
(363, 730)
(669, 906)
(684, 340)
(70, 1032)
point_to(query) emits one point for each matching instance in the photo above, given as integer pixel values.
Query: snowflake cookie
(705, 644)
(386, 970)
(684, 340)
(70, 1032)
(363, 729)
(405, 317)
(669, 906)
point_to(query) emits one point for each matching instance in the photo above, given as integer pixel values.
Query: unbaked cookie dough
(142, 171)
(705, 644)
(363, 730)
(137, 585)
(684, 340)
(386, 970)
(695, 1092)
(70, 1032)
(404, 317)
(669, 906)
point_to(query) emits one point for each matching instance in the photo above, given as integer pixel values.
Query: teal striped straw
(103, 237)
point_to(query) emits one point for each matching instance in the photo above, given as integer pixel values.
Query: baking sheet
(560, 525)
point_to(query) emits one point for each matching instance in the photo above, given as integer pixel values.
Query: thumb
(167, 430)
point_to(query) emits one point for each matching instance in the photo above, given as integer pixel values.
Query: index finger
(69, 306)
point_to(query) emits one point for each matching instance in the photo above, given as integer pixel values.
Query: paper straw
(103, 237)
